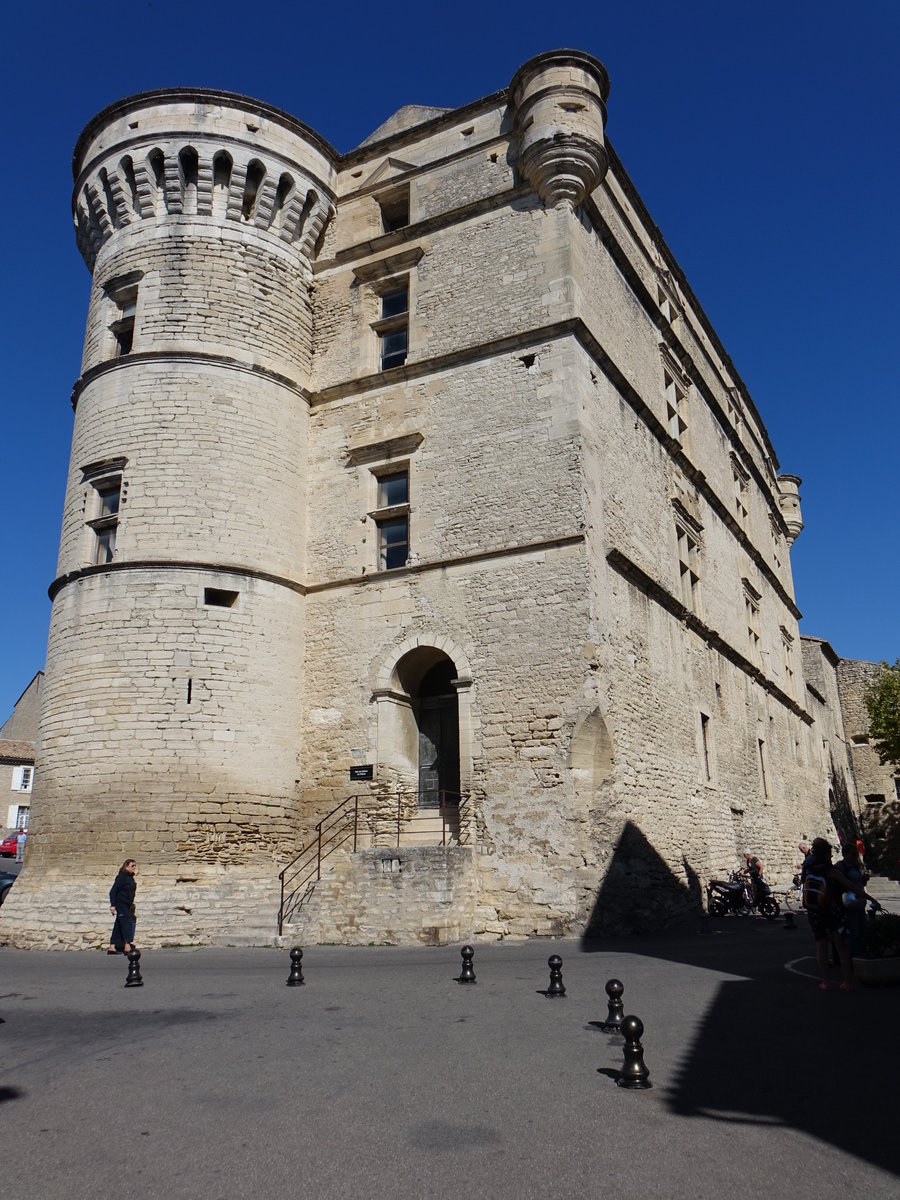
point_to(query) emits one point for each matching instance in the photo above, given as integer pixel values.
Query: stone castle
(411, 493)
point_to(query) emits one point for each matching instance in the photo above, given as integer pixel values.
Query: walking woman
(121, 905)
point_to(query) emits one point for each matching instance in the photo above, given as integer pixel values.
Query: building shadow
(640, 892)
(770, 1048)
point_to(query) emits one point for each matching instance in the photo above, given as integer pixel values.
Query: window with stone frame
(787, 656)
(391, 517)
(751, 611)
(103, 501)
(740, 492)
(394, 206)
(392, 328)
(676, 408)
(776, 542)
(123, 294)
(688, 544)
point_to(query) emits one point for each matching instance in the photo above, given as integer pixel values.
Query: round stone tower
(559, 100)
(169, 725)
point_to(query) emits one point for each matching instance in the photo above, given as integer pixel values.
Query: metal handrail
(339, 826)
(332, 832)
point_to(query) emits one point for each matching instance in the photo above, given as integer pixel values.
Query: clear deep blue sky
(763, 139)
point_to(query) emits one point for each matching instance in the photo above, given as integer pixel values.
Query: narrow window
(676, 409)
(394, 209)
(740, 497)
(751, 608)
(103, 503)
(392, 520)
(393, 328)
(688, 569)
(123, 325)
(763, 773)
(787, 650)
(704, 745)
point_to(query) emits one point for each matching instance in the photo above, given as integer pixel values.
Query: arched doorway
(427, 679)
(436, 708)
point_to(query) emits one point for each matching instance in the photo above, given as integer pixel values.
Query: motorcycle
(735, 895)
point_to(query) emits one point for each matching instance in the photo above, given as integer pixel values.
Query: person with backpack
(823, 890)
(854, 900)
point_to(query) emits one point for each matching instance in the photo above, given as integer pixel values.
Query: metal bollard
(556, 988)
(295, 979)
(615, 1009)
(467, 974)
(134, 978)
(634, 1073)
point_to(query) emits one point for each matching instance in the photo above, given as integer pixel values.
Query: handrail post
(355, 820)
(399, 801)
(281, 907)
(319, 854)
(443, 796)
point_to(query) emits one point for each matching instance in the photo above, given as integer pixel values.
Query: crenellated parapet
(559, 100)
(215, 157)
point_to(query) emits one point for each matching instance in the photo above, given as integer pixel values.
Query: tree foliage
(882, 700)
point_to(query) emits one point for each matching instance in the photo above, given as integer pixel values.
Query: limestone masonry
(423, 457)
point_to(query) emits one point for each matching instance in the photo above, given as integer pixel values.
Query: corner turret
(789, 503)
(559, 100)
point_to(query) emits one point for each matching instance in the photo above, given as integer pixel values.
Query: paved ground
(382, 1076)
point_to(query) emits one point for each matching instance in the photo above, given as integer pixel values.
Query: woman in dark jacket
(121, 905)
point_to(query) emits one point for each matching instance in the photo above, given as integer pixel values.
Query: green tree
(882, 700)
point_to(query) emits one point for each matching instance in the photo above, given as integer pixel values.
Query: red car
(10, 844)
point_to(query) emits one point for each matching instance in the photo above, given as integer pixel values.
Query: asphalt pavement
(382, 1076)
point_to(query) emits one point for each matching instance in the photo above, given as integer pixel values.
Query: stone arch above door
(396, 696)
(384, 677)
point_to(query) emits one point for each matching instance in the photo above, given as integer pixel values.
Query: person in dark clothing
(855, 902)
(121, 905)
(826, 913)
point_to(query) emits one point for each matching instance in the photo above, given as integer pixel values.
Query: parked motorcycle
(735, 895)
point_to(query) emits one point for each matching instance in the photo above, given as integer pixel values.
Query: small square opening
(219, 597)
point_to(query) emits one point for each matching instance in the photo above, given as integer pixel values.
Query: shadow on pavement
(771, 1048)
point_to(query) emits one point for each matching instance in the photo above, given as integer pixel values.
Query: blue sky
(763, 139)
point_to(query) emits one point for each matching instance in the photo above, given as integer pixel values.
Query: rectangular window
(787, 649)
(124, 296)
(705, 747)
(751, 610)
(740, 498)
(689, 569)
(393, 328)
(22, 779)
(392, 520)
(763, 772)
(106, 522)
(21, 822)
(394, 209)
(676, 408)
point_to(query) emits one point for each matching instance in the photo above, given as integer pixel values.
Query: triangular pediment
(387, 170)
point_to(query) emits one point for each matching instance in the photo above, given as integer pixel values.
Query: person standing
(854, 901)
(823, 889)
(121, 905)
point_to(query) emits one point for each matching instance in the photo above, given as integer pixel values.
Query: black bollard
(467, 975)
(295, 979)
(556, 988)
(135, 978)
(634, 1073)
(789, 920)
(615, 1010)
